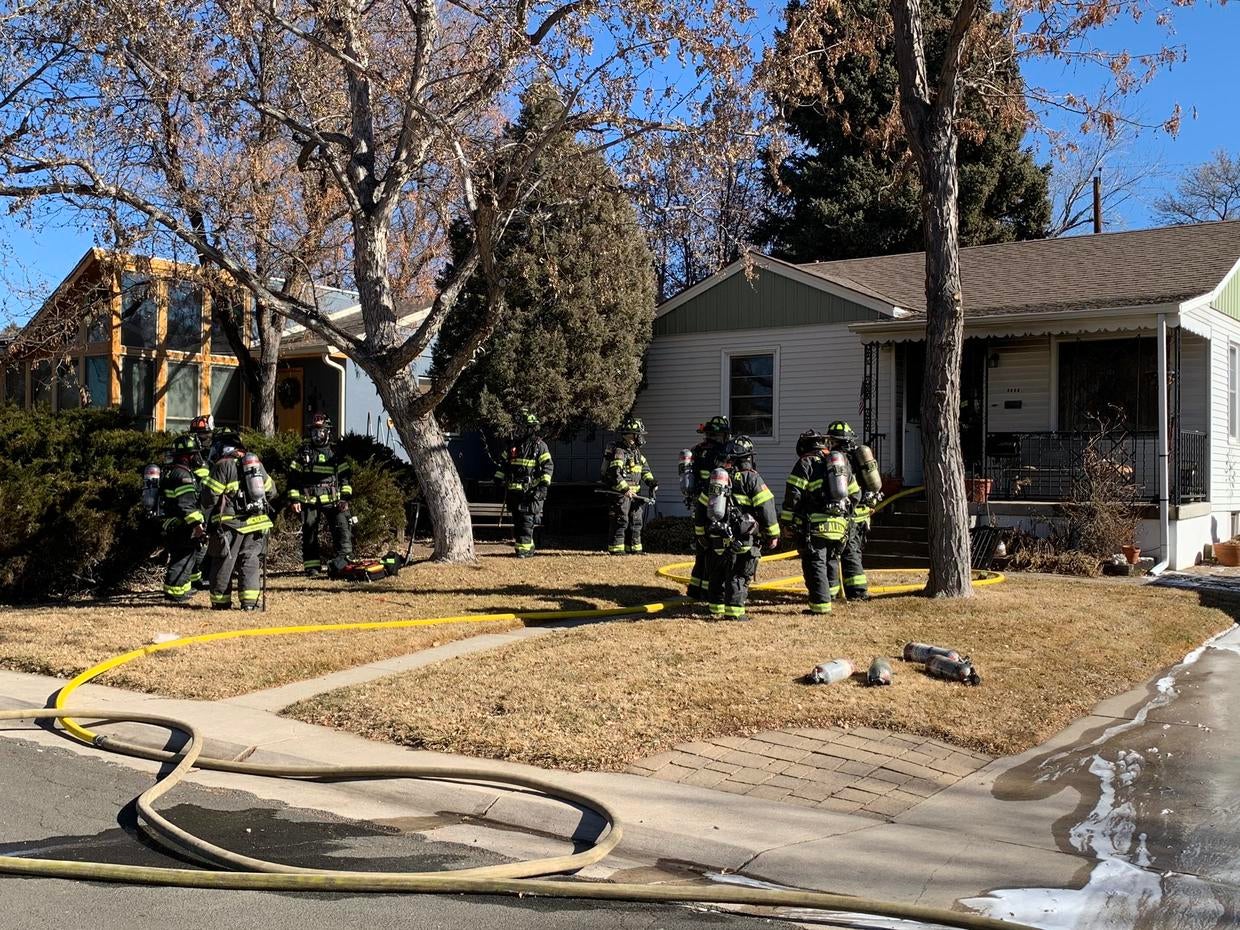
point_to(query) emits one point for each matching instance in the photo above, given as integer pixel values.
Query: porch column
(1164, 478)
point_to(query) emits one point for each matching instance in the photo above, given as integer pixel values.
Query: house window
(137, 312)
(68, 393)
(751, 394)
(182, 393)
(15, 385)
(98, 380)
(184, 317)
(100, 326)
(138, 389)
(41, 385)
(226, 395)
(228, 305)
(1233, 386)
(1115, 380)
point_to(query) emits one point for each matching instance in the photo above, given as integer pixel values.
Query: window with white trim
(1233, 386)
(751, 394)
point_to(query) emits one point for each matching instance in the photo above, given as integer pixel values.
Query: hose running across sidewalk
(517, 878)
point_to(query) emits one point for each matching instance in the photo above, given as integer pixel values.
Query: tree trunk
(942, 459)
(438, 479)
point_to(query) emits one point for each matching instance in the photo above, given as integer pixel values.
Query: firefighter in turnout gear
(816, 513)
(184, 533)
(625, 469)
(695, 472)
(864, 489)
(202, 429)
(320, 492)
(525, 476)
(235, 498)
(732, 517)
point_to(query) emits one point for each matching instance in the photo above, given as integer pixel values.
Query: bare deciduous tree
(1208, 192)
(391, 114)
(1125, 173)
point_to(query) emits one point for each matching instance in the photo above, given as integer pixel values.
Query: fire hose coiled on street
(231, 870)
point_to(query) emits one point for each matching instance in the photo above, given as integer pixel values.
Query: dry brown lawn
(603, 696)
(63, 641)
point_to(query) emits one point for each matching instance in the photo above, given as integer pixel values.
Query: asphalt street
(58, 804)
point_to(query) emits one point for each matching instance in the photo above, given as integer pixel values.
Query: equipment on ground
(867, 470)
(349, 569)
(828, 673)
(923, 652)
(961, 670)
(880, 672)
(151, 498)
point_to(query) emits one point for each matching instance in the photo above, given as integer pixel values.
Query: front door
(290, 400)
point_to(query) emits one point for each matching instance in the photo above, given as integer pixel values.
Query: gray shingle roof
(1122, 269)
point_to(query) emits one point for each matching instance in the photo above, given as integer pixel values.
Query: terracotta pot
(1131, 553)
(1227, 553)
(977, 490)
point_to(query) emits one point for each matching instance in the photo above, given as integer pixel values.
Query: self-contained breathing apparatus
(252, 483)
(729, 527)
(152, 499)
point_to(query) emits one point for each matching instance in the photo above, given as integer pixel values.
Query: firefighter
(202, 429)
(863, 469)
(319, 490)
(732, 516)
(236, 498)
(625, 469)
(815, 513)
(525, 476)
(704, 458)
(184, 532)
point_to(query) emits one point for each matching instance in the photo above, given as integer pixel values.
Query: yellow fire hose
(517, 878)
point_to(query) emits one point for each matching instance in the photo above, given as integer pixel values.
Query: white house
(1056, 330)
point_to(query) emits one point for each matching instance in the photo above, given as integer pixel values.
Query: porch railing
(1061, 466)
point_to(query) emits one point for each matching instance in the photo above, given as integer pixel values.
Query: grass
(62, 641)
(603, 696)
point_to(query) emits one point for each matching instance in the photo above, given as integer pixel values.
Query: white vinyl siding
(819, 373)
(1233, 385)
(1224, 449)
(1019, 386)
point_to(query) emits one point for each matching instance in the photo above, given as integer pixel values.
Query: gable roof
(1106, 270)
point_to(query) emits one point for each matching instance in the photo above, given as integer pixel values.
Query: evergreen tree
(851, 190)
(579, 290)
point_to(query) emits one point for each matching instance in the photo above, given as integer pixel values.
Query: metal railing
(1065, 466)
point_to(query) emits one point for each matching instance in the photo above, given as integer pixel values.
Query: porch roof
(1107, 271)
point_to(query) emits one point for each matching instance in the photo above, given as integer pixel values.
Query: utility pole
(1097, 203)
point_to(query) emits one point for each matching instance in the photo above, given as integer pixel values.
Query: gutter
(1164, 454)
(918, 326)
(332, 363)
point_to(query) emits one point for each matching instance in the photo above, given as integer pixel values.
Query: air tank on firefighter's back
(150, 490)
(867, 470)
(687, 478)
(835, 485)
(717, 494)
(252, 475)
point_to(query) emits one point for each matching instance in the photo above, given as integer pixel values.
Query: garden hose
(517, 878)
(248, 873)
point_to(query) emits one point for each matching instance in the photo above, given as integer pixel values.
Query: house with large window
(1119, 350)
(141, 334)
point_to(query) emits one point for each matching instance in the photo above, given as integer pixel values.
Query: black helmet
(633, 426)
(717, 425)
(227, 442)
(320, 428)
(810, 441)
(527, 423)
(841, 435)
(739, 451)
(185, 449)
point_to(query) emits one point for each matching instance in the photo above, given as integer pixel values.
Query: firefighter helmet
(527, 423)
(739, 451)
(185, 449)
(635, 428)
(841, 430)
(202, 427)
(320, 428)
(227, 443)
(810, 441)
(717, 426)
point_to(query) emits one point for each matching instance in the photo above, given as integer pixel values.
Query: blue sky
(39, 257)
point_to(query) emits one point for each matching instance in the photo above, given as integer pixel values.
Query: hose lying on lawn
(517, 878)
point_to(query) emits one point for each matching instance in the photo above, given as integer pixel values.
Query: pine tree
(851, 189)
(579, 290)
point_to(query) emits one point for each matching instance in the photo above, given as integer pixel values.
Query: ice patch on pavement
(1123, 887)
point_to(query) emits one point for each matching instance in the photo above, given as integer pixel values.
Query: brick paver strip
(861, 770)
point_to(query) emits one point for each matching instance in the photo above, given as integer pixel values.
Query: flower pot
(1131, 553)
(1227, 553)
(977, 490)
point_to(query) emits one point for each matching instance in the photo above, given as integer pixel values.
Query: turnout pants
(241, 554)
(730, 574)
(849, 573)
(313, 516)
(526, 516)
(627, 517)
(818, 556)
(184, 554)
